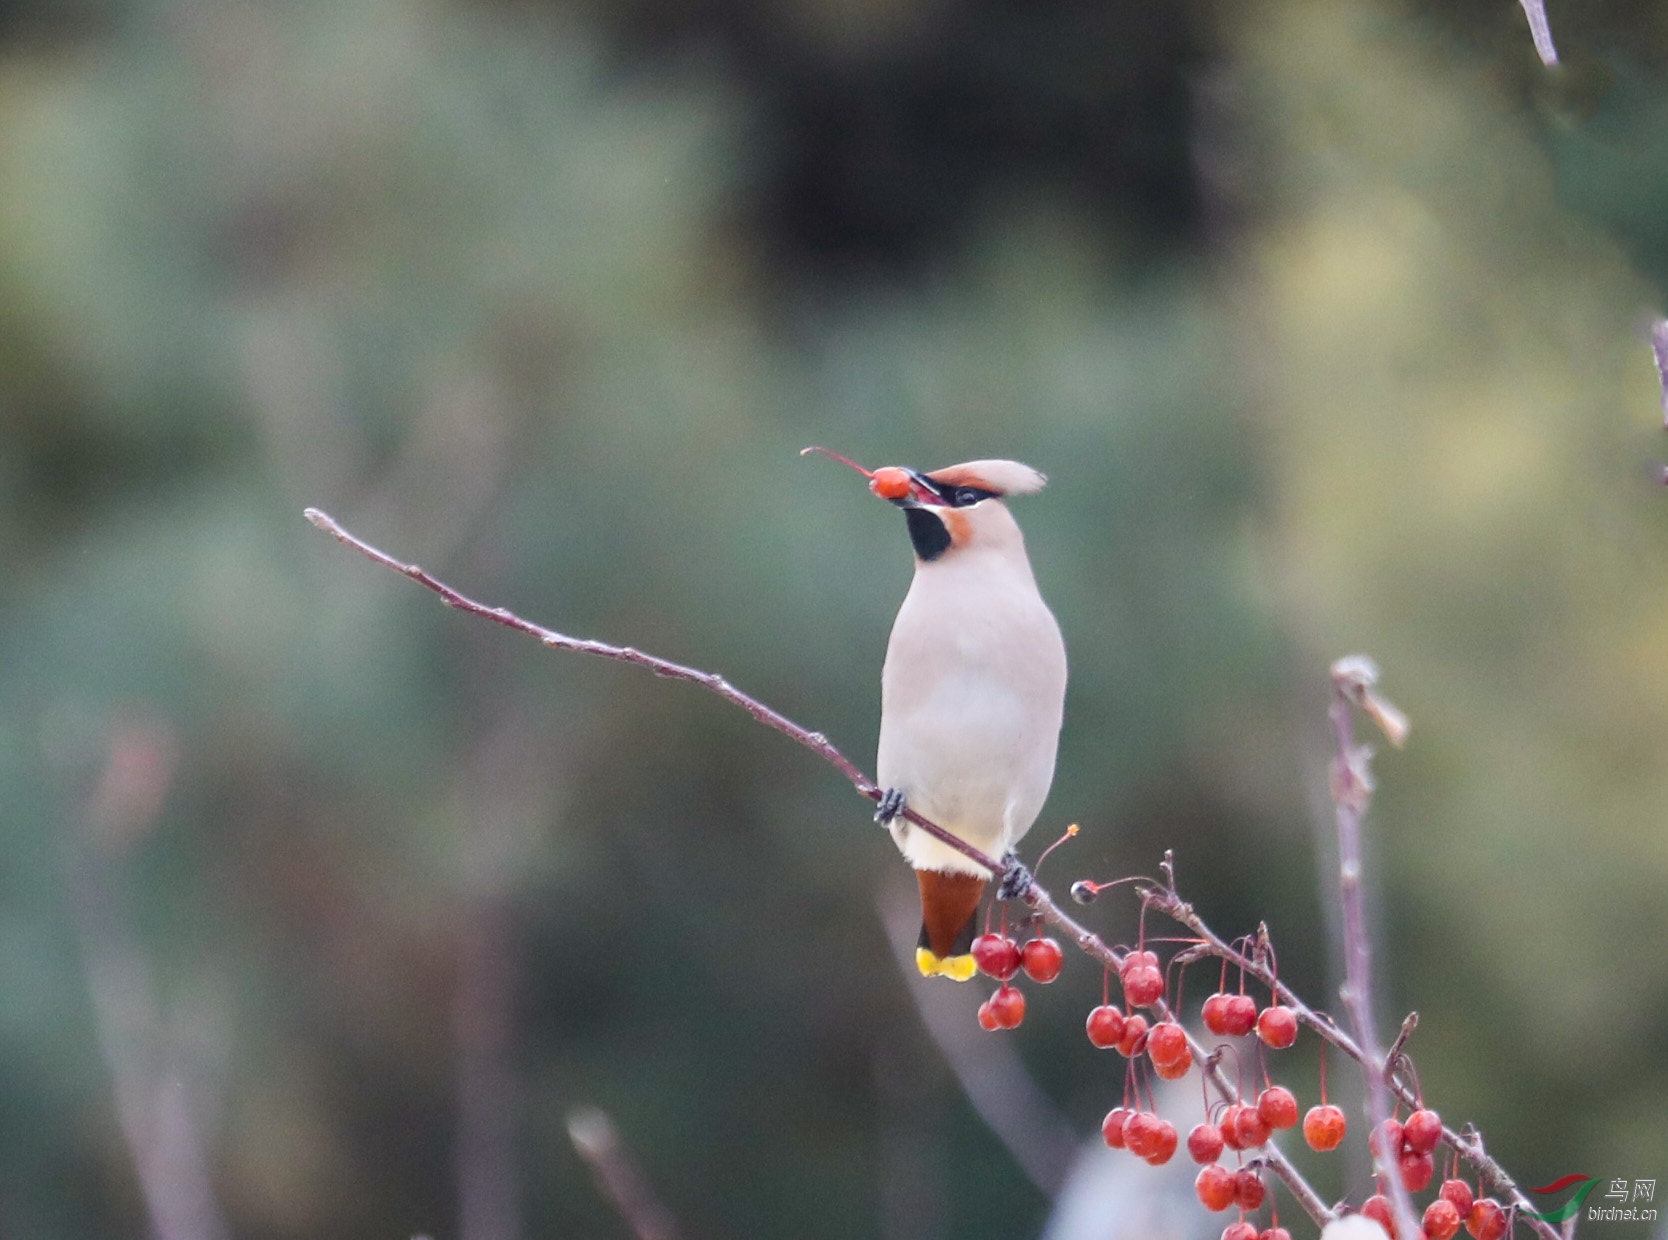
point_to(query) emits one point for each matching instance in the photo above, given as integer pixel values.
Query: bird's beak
(905, 487)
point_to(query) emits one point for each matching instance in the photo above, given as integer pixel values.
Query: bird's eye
(967, 495)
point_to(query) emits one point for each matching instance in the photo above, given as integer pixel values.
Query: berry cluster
(1000, 957)
(1409, 1146)
(1157, 1043)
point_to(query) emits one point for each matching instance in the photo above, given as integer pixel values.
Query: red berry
(1386, 1141)
(1417, 1170)
(1204, 1143)
(1378, 1209)
(1215, 1187)
(1422, 1130)
(1323, 1127)
(1216, 1014)
(1274, 1233)
(1251, 1128)
(1042, 959)
(1241, 1015)
(1277, 1027)
(1249, 1189)
(1008, 1006)
(1458, 1192)
(1167, 1044)
(1136, 960)
(1278, 1107)
(1487, 1221)
(1141, 1133)
(1442, 1219)
(996, 955)
(1228, 1126)
(987, 1017)
(1143, 985)
(1106, 1026)
(1112, 1127)
(1175, 1071)
(1162, 1147)
(1239, 1231)
(1134, 1040)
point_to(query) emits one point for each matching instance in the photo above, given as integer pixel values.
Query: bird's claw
(1016, 879)
(891, 804)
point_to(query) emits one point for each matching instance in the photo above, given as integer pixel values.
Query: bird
(972, 691)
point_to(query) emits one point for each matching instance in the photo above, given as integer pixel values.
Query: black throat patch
(927, 533)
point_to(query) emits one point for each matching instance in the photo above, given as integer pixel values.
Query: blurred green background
(321, 906)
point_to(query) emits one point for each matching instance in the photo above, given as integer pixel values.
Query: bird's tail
(949, 907)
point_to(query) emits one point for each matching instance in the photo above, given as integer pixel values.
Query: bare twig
(816, 742)
(598, 1142)
(1353, 679)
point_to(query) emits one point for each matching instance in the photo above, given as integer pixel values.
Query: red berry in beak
(1214, 1187)
(1106, 1026)
(1277, 1027)
(1204, 1144)
(1278, 1107)
(1442, 1219)
(1042, 959)
(1323, 1128)
(1422, 1130)
(890, 482)
(996, 955)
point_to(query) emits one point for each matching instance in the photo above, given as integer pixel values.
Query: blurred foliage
(1324, 318)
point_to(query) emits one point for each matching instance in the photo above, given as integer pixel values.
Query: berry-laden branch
(1244, 1124)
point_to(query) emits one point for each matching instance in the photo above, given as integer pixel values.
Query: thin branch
(1352, 788)
(816, 742)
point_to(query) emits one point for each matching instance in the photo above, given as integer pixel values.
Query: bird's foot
(890, 806)
(1016, 879)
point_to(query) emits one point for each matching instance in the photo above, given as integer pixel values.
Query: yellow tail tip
(956, 968)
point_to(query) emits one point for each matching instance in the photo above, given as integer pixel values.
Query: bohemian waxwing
(971, 693)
